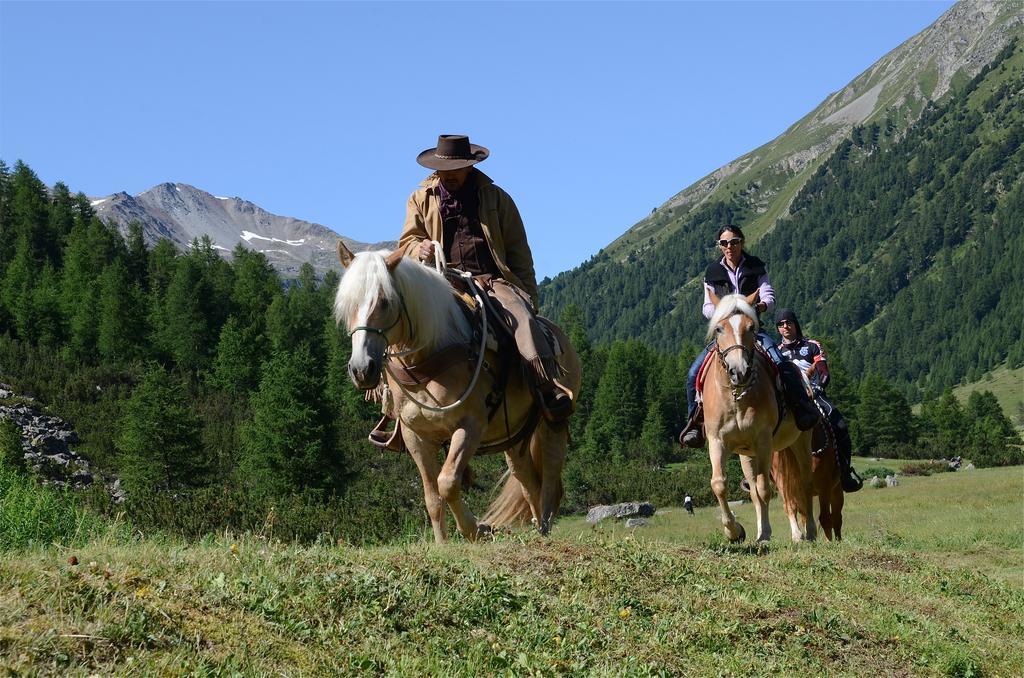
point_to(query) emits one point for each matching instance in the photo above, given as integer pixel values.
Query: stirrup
(693, 434)
(385, 439)
(561, 405)
(850, 480)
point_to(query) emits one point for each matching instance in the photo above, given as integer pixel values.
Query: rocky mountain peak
(181, 213)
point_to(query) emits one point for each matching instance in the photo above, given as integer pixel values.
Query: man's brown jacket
(499, 217)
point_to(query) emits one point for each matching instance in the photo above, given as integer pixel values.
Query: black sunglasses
(784, 322)
(730, 241)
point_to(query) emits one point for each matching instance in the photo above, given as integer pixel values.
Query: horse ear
(713, 297)
(752, 297)
(392, 259)
(345, 254)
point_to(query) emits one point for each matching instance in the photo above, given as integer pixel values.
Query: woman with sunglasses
(740, 273)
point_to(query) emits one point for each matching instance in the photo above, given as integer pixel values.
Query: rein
(479, 359)
(739, 390)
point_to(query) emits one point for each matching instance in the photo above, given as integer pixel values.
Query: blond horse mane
(434, 313)
(730, 305)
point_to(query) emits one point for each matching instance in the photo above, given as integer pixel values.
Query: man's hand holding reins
(425, 251)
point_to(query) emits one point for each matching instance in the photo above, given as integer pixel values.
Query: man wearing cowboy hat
(481, 232)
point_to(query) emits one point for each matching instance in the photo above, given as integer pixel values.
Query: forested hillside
(904, 250)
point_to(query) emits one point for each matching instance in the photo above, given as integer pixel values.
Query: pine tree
(884, 420)
(138, 255)
(620, 406)
(297, 319)
(945, 425)
(289, 443)
(29, 215)
(121, 329)
(991, 438)
(158, 442)
(236, 366)
(17, 293)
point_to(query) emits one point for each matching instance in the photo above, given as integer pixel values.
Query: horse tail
(510, 507)
(786, 475)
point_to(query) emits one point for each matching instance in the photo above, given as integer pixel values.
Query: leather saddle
(500, 339)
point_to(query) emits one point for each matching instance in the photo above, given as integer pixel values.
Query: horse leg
(547, 447)
(823, 479)
(838, 499)
(522, 467)
(757, 479)
(425, 457)
(734, 532)
(825, 512)
(463, 443)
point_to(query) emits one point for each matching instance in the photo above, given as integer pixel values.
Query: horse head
(387, 300)
(372, 309)
(733, 328)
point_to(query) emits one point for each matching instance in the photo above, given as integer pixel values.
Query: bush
(12, 456)
(880, 471)
(925, 468)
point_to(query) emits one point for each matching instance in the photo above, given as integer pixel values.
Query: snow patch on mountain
(247, 236)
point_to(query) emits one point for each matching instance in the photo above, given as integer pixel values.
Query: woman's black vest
(718, 277)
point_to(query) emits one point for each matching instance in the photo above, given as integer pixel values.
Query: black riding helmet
(790, 315)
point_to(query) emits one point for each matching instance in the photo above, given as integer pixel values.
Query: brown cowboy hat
(453, 151)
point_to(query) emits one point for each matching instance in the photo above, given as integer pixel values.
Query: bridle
(478, 295)
(741, 389)
(402, 310)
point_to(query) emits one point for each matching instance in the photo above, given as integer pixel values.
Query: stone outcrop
(632, 509)
(47, 442)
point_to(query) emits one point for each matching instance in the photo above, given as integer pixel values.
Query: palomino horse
(741, 417)
(402, 313)
(827, 485)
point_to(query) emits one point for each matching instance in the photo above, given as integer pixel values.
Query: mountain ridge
(953, 48)
(181, 213)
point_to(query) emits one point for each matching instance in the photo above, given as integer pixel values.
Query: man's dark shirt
(464, 244)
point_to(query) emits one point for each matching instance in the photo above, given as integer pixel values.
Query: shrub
(880, 471)
(11, 454)
(925, 468)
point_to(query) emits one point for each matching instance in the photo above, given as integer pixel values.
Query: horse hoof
(483, 531)
(741, 537)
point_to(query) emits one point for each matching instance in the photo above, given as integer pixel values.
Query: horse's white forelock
(730, 305)
(433, 311)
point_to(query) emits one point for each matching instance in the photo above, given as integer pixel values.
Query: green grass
(32, 515)
(928, 582)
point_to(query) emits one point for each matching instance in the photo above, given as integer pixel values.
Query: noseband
(739, 390)
(383, 332)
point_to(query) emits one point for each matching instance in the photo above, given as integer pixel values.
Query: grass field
(929, 581)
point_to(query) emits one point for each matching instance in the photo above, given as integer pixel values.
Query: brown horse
(827, 485)
(741, 416)
(402, 314)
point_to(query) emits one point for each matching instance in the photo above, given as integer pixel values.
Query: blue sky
(594, 113)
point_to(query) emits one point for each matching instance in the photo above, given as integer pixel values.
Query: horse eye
(719, 330)
(384, 304)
